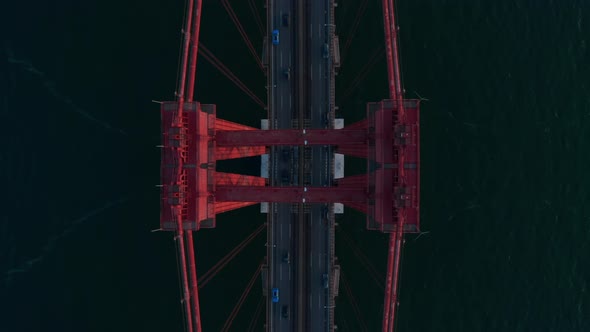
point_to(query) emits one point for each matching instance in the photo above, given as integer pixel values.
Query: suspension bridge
(302, 144)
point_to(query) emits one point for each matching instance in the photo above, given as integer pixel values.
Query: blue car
(275, 295)
(275, 37)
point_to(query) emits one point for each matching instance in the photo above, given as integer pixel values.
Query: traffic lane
(320, 103)
(283, 280)
(318, 293)
(319, 243)
(280, 89)
(319, 83)
(319, 253)
(319, 315)
(284, 268)
(324, 266)
(283, 241)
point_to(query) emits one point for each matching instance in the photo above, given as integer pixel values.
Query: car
(275, 295)
(325, 280)
(287, 73)
(286, 257)
(286, 20)
(326, 50)
(275, 37)
(285, 311)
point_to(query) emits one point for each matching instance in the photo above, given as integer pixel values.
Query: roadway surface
(284, 169)
(281, 273)
(319, 74)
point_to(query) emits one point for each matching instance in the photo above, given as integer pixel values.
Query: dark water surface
(504, 187)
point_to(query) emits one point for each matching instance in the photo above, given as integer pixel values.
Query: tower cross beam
(291, 137)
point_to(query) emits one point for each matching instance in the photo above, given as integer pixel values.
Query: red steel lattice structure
(193, 192)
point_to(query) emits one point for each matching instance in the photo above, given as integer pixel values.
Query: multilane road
(285, 73)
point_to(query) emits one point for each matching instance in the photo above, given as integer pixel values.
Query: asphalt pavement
(319, 259)
(281, 273)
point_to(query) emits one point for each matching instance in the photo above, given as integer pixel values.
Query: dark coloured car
(286, 257)
(326, 51)
(325, 280)
(286, 20)
(285, 311)
(287, 73)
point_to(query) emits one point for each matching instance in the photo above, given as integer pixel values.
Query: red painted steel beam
(176, 122)
(291, 137)
(189, 235)
(396, 270)
(232, 179)
(221, 207)
(395, 92)
(193, 276)
(185, 285)
(184, 62)
(221, 124)
(233, 152)
(290, 194)
(189, 297)
(388, 49)
(388, 282)
(194, 51)
(396, 67)
(392, 279)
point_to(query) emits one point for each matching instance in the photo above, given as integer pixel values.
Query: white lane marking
(320, 72)
(319, 31)
(319, 301)
(281, 60)
(311, 69)
(280, 273)
(320, 260)
(310, 261)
